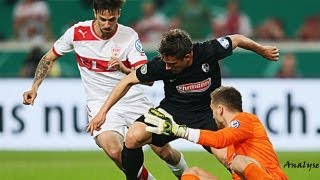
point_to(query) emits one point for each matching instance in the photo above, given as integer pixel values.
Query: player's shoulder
(246, 117)
(126, 31)
(87, 23)
(156, 64)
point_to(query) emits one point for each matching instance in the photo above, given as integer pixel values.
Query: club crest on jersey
(234, 124)
(139, 46)
(115, 51)
(194, 87)
(205, 67)
(224, 42)
(144, 69)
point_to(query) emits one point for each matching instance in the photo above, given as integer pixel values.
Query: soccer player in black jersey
(189, 71)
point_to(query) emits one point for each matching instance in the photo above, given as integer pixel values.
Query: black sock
(132, 160)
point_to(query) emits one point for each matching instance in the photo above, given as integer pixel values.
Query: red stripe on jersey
(98, 65)
(55, 52)
(83, 33)
(139, 63)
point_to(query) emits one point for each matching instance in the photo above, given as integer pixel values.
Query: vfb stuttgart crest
(115, 51)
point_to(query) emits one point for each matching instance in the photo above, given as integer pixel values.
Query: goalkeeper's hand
(164, 123)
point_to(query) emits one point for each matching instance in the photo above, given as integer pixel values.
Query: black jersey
(189, 91)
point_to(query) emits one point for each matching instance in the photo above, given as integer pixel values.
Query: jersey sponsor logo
(97, 65)
(205, 67)
(138, 46)
(194, 87)
(234, 124)
(144, 69)
(224, 42)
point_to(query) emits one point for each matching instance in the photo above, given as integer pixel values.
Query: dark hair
(175, 42)
(228, 96)
(102, 5)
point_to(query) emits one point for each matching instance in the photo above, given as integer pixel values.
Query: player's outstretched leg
(195, 173)
(174, 159)
(249, 168)
(137, 136)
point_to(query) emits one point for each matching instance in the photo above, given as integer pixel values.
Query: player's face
(177, 65)
(106, 22)
(217, 112)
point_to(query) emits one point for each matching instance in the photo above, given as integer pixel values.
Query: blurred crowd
(32, 23)
(203, 22)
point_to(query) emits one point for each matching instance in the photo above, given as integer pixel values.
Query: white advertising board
(57, 120)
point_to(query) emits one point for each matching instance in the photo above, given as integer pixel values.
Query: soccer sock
(132, 160)
(189, 177)
(253, 172)
(179, 168)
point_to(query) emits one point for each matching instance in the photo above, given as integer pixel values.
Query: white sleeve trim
(193, 135)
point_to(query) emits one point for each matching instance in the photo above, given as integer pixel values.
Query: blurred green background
(241, 64)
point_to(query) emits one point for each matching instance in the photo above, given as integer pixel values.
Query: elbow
(237, 40)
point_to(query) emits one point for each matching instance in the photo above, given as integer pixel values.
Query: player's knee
(192, 170)
(136, 136)
(221, 155)
(132, 140)
(163, 152)
(240, 162)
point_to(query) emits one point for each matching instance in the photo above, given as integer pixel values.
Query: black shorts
(197, 120)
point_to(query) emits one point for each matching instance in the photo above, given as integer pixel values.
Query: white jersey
(94, 53)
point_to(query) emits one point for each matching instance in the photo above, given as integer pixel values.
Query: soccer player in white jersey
(106, 51)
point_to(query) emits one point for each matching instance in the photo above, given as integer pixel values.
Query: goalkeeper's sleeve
(192, 135)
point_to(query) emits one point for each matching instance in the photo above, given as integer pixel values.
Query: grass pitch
(97, 166)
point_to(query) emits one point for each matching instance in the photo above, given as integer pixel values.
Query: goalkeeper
(250, 154)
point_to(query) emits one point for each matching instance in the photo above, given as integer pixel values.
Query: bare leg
(112, 143)
(248, 168)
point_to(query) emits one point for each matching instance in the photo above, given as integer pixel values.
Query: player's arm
(43, 68)
(218, 139)
(268, 52)
(116, 94)
(163, 123)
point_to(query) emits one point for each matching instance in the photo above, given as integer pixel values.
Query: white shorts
(120, 116)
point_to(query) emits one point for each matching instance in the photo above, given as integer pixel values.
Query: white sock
(150, 177)
(179, 168)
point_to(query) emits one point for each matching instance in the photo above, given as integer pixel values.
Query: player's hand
(270, 53)
(116, 63)
(29, 97)
(164, 123)
(96, 122)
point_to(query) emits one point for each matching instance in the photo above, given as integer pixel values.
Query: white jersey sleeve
(136, 51)
(65, 43)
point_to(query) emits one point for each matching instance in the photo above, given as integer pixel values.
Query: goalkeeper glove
(164, 123)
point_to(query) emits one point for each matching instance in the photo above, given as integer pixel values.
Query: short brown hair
(175, 42)
(228, 96)
(111, 5)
